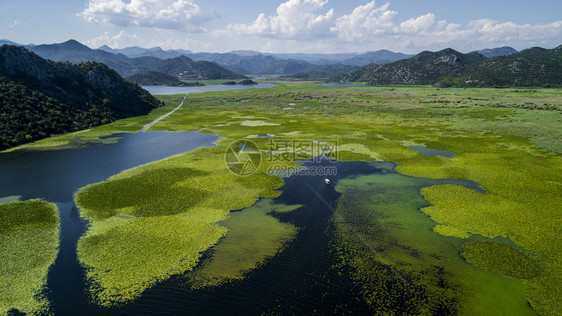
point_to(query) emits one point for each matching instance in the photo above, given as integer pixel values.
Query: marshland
(444, 201)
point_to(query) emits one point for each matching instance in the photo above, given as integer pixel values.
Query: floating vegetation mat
(253, 236)
(401, 265)
(29, 240)
(155, 221)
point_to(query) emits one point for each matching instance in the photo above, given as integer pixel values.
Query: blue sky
(313, 26)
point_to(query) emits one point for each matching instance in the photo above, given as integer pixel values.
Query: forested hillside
(40, 97)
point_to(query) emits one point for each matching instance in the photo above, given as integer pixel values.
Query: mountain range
(181, 66)
(136, 60)
(502, 66)
(530, 67)
(40, 97)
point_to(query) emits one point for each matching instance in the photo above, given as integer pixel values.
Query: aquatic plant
(400, 263)
(125, 256)
(156, 220)
(253, 236)
(29, 240)
(502, 259)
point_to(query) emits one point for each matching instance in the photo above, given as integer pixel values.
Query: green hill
(186, 69)
(424, 68)
(531, 67)
(155, 78)
(40, 97)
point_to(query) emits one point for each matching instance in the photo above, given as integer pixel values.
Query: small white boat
(327, 181)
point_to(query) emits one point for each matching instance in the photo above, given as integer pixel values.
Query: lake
(166, 90)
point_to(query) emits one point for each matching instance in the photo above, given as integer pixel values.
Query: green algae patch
(29, 240)
(400, 264)
(446, 230)
(124, 257)
(502, 259)
(350, 152)
(466, 209)
(253, 237)
(147, 194)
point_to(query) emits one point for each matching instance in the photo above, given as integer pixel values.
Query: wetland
(445, 201)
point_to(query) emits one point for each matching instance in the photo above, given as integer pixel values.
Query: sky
(290, 26)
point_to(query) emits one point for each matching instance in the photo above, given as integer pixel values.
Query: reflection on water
(54, 175)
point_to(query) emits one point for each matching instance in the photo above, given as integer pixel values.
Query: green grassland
(29, 240)
(507, 140)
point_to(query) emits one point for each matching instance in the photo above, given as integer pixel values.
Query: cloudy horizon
(292, 26)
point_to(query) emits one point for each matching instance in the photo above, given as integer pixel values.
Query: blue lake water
(166, 90)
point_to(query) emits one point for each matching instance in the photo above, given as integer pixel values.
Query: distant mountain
(7, 42)
(317, 59)
(530, 67)
(244, 53)
(134, 60)
(185, 68)
(287, 67)
(153, 78)
(322, 72)
(379, 57)
(253, 62)
(74, 52)
(39, 97)
(496, 52)
(424, 68)
(135, 51)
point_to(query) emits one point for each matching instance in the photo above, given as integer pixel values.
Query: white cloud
(421, 24)
(313, 26)
(364, 22)
(120, 40)
(304, 25)
(294, 18)
(14, 24)
(164, 14)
